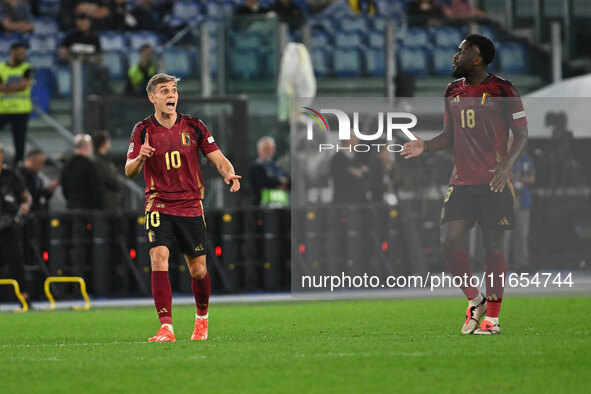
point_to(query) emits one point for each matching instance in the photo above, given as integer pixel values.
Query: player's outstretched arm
(225, 168)
(441, 142)
(134, 166)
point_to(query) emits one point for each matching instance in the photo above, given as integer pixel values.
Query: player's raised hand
(412, 149)
(235, 182)
(499, 181)
(146, 151)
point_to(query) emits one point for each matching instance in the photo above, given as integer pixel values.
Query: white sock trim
(202, 317)
(476, 300)
(169, 326)
(493, 320)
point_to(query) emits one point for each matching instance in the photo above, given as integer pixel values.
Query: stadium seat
(375, 62)
(139, 38)
(186, 9)
(219, 9)
(62, 79)
(513, 57)
(113, 41)
(489, 31)
(41, 59)
(353, 24)
(244, 64)
(43, 42)
(416, 36)
(413, 60)
(442, 59)
(323, 23)
(6, 41)
(321, 61)
(349, 39)
(49, 7)
(376, 39)
(347, 62)
(447, 36)
(321, 37)
(391, 8)
(45, 25)
(247, 40)
(178, 61)
(113, 60)
(41, 89)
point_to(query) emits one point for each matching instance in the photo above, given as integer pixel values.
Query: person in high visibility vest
(16, 77)
(140, 73)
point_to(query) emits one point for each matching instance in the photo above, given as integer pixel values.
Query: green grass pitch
(325, 346)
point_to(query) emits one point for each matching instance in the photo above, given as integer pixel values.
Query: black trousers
(18, 123)
(12, 258)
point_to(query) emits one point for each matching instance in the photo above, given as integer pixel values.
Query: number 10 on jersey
(173, 158)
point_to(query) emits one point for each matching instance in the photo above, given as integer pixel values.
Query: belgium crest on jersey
(185, 138)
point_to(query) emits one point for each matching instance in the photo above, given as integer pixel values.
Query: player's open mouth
(170, 105)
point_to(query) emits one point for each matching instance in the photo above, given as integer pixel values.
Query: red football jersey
(174, 184)
(482, 116)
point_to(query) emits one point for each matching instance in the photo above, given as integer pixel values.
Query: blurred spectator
(348, 172)
(15, 202)
(289, 12)
(29, 171)
(84, 44)
(16, 79)
(383, 177)
(139, 74)
(251, 7)
(15, 17)
(517, 240)
(269, 181)
(145, 16)
(421, 12)
(79, 178)
(121, 17)
(459, 9)
(98, 11)
(365, 7)
(110, 180)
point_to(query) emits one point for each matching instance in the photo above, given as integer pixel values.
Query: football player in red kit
(480, 108)
(166, 144)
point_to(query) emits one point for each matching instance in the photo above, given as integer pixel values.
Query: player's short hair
(485, 46)
(145, 46)
(99, 138)
(81, 141)
(34, 152)
(158, 79)
(18, 45)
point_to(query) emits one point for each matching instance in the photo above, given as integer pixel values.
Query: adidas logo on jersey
(503, 222)
(199, 248)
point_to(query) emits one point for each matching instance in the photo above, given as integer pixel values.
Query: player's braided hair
(158, 79)
(485, 46)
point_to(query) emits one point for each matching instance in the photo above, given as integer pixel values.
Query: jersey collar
(155, 121)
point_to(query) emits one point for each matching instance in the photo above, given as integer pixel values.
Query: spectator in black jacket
(110, 180)
(29, 171)
(79, 179)
(289, 12)
(270, 182)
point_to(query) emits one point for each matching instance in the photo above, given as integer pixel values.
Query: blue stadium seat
(62, 79)
(447, 36)
(347, 62)
(247, 40)
(178, 61)
(488, 31)
(513, 57)
(416, 36)
(321, 37)
(375, 61)
(7, 39)
(49, 7)
(391, 8)
(325, 23)
(354, 24)
(219, 9)
(42, 59)
(113, 41)
(413, 60)
(113, 60)
(442, 59)
(375, 39)
(139, 38)
(41, 89)
(186, 9)
(46, 25)
(349, 39)
(244, 64)
(322, 61)
(43, 42)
